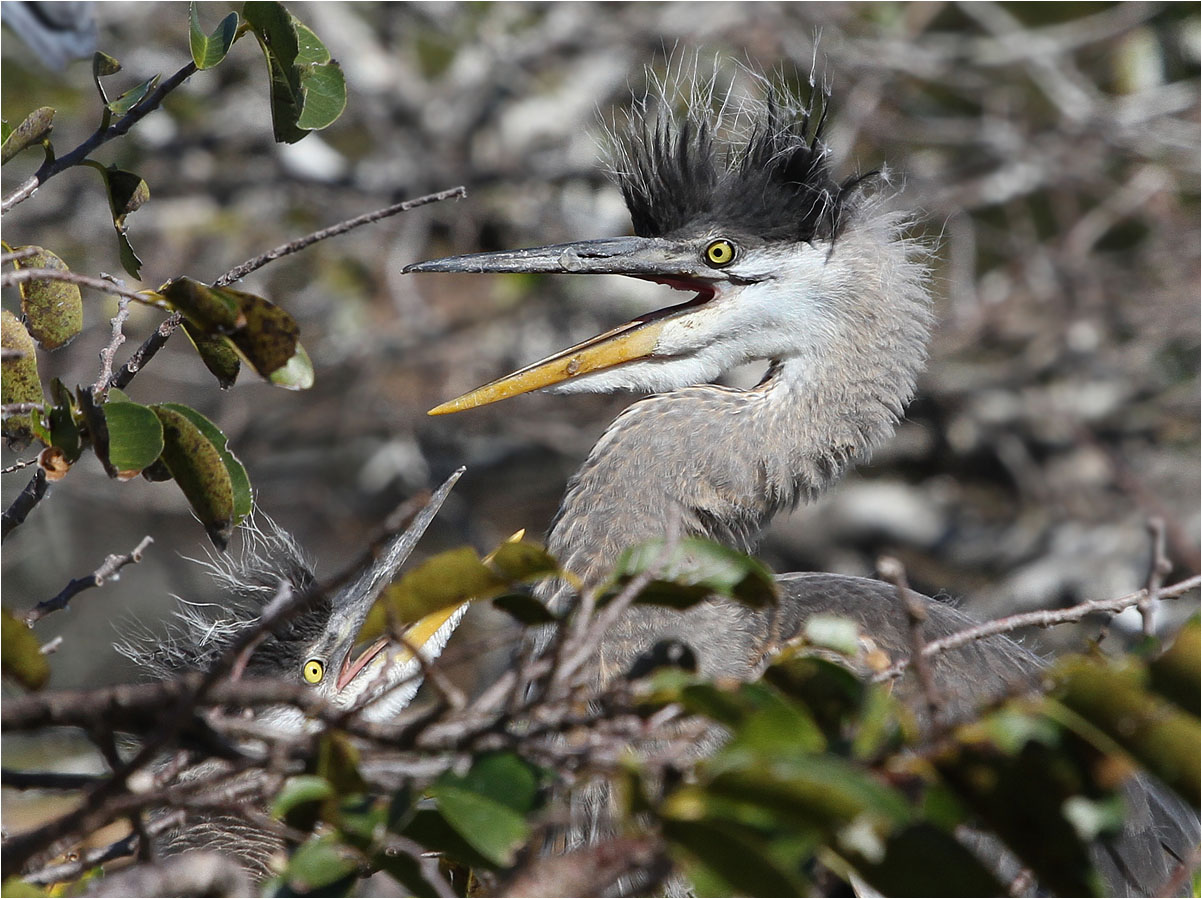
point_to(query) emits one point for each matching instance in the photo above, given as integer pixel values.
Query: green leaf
(127, 192)
(33, 129)
(694, 569)
(132, 97)
(440, 582)
(64, 430)
(296, 373)
(301, 790)
(20, 382)
(21, 654)
(217, 353)
(209, 50)
(321, 866)
(1159, 735)
(239, 481)
(135, 437)
(519, 561)
(488, 805)
(429, 829)
(196, 465)
(724, 859)
(1175, 674)
(53, 310)
(308, 90)
(338, 762)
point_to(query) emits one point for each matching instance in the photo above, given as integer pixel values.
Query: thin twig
(18, 465)
(143, 354)
(16, 514)
(101, 388)
(19, 254)
(108, 570)
(19, 408)
(892, 571)
(1159, 568)
(1041, 618)
(293, 246)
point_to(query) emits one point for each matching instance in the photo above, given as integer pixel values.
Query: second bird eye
(313, 671)
(720, 252)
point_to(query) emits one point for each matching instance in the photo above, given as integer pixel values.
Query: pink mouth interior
(351, 668)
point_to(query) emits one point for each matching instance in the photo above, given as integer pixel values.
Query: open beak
(649, 258)
(353, 602)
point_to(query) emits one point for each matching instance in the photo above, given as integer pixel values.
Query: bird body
(733, 202)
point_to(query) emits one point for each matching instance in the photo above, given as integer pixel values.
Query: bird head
(319, 646)
(739, 211)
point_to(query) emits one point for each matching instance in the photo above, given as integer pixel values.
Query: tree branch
(108, 570)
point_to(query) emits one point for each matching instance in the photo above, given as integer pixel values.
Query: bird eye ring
(313, 671)
(720, 253)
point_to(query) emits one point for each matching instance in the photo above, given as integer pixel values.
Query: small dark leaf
(524, 609)
(429, 829)
(21, 655)
(957, 873)
(102, 65)
(196, 465)
(338, 763)
(209, 50)
(209, 309)
(267, 336)
(53, 310)
(20, 382)
(127, 193)
(724, 859)
(301, 790)
(33, 130)
(217, 353)
(64, 431)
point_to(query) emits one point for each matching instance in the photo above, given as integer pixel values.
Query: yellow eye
(720, 253)
(314, 671)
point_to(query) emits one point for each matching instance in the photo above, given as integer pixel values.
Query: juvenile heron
(785, 265)
(317, 646)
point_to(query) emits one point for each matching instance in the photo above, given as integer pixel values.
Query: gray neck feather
(719, 462)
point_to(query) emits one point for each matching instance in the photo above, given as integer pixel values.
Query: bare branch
(1158, 569)
(104, 379)
(1041, 618)
(293, 246)
(145, 352)
(108, 570)
(22, 275)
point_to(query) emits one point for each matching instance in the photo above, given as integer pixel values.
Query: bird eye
(720, 253)
(313, 671)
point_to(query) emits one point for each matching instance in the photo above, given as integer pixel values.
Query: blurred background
(1049, 151)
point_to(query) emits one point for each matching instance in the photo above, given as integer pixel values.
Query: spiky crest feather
(685, 157)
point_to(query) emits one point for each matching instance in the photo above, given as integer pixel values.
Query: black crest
(760, 169)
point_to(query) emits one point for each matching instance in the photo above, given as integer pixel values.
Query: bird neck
(718, 462)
